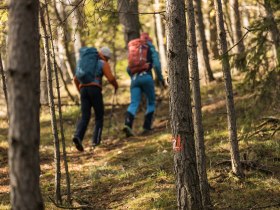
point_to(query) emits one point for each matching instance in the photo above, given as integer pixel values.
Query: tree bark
(77, 24)
(129, 18)
(197, 113)
(59, 111)
(240, 59)
(161, 47)
(275, 35)
(235, 156)
(43, 82)
(52, 107)
(213, 30)
(64, 58)
(2, 72)
(202, 40)
(23, 89)
(187, 180)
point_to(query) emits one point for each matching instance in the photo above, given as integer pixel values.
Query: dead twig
(247, 164)
(265, 207)
(71, 207)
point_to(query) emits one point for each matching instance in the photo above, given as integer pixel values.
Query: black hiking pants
(91, 96)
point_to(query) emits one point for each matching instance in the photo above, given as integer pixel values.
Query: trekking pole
(112, 111)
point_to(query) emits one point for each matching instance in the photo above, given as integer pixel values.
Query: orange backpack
(137, 56)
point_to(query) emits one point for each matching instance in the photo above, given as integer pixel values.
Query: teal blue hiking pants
(142, 83)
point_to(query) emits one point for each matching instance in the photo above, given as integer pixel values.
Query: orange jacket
(106, 71)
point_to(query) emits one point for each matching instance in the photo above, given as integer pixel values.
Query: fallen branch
(265, 207)
(247, 164)
(70, 207)
(268, 120)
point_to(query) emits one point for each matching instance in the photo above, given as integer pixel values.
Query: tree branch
(132, 13)
(70, 207)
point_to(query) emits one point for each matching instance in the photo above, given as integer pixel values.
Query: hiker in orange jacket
(90, 87)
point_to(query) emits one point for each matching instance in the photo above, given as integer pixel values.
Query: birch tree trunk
(275, 35)
(240, 58)
(23, 89)
(235, 156)
(52, 107)
(198, 127)
(202, 40)
(129, 18)
(161, 47)
(187, 180)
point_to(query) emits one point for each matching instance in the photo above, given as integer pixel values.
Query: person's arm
(77, 83)
(156, 62)
(108, 74)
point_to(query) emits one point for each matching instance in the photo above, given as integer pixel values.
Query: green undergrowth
(137, 172)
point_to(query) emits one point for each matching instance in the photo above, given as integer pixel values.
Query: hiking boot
(94, 144)
(148, 121)
(128, 131)
(78, 144)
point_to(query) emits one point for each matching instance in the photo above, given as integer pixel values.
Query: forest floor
(137, 172)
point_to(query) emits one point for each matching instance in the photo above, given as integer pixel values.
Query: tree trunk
(23, 90)
(129, 18)
(187, 180)
(59, 110)
(240, 59)
(2, 72)
(213, 30)
(161, 47)
(43, 82)
(275, 35)
(235, 156)
(52, 108)
(198, 127)
(202, 38)
(64, 58)
(76, 28)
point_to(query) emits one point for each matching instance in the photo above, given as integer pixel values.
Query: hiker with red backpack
(92, 65)
(142, 57)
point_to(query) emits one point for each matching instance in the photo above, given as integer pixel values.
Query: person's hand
(116, 87)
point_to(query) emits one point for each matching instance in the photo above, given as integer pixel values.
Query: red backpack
(137, 56)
